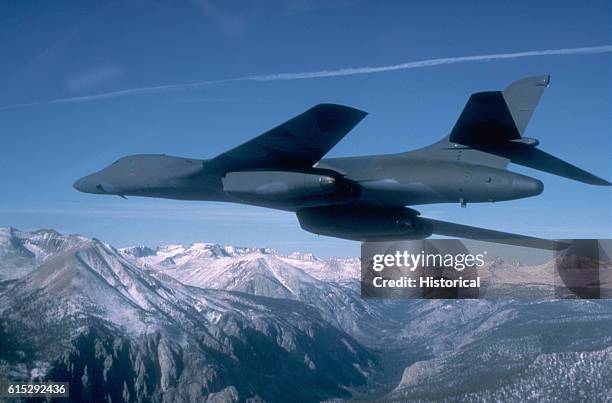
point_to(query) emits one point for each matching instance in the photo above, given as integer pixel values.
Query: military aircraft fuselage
(394, 180)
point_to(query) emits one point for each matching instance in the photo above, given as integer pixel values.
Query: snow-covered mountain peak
(175, 255)
(302, 256)
(199, 256)
(138, 251)
(21, 251)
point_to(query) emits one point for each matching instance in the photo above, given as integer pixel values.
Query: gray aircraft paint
(362, 198)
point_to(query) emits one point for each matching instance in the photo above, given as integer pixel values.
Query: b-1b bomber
(363, 198)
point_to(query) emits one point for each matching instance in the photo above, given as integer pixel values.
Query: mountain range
(206, 322)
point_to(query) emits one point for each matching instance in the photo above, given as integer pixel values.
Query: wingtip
(596, 180)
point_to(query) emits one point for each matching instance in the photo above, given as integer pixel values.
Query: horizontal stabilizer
(296, 144)
(523, 154)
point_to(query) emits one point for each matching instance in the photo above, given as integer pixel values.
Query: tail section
(490, 130)
(494, 117)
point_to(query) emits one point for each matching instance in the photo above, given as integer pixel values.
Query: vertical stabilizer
(522, 97)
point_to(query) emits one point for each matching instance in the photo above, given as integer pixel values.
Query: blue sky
(56, 55)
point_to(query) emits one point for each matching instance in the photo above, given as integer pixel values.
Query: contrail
(318, 74)
(429, 63)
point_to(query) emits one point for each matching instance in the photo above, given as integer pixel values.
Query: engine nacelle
(302, 189)
(364, 224)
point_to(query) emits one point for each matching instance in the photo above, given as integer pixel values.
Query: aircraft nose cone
(79, 184)
(84, 185)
